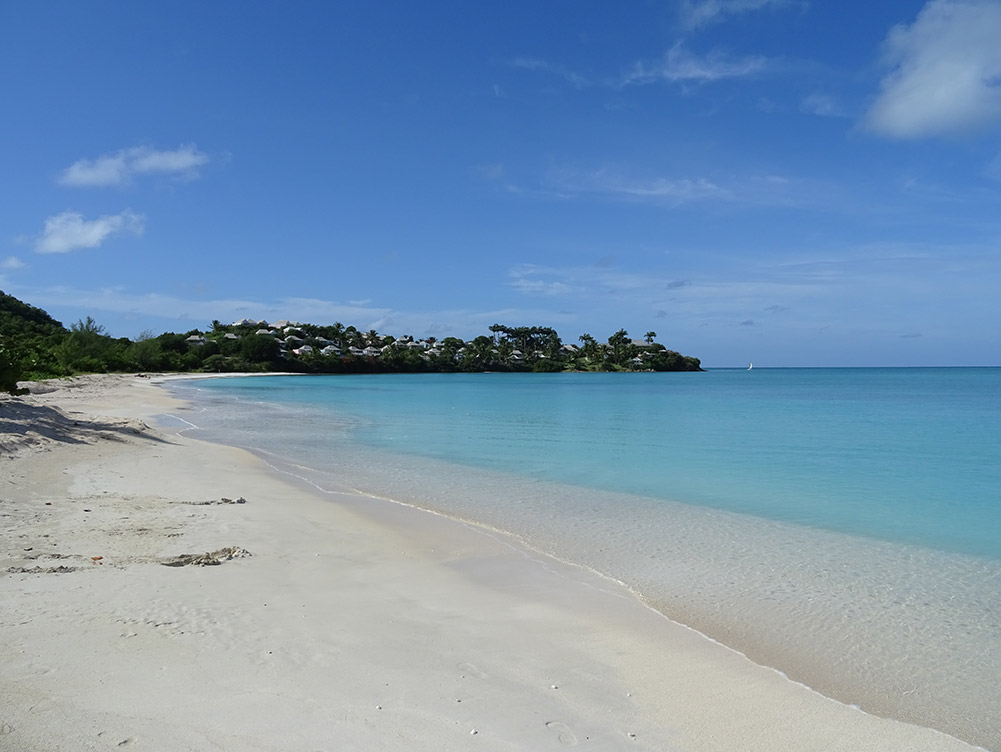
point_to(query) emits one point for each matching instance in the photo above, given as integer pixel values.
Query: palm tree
(336, 333)
(619, 342)
(650, 337)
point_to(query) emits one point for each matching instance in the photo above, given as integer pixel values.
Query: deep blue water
(908, 455)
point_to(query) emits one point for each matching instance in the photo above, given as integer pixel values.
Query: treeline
(33, 345)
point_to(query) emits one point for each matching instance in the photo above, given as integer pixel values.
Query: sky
(783, 182)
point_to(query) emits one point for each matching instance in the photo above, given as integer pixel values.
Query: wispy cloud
(673, 192)
(68, 231)
(535, 64)
(11, 263)
(669, 191)
(945, 75)
(530, 279)
(697, 13)
(593, 282)
(823, 105)
(992, 169)
(681, 66)
(678, 65)
(120, 168)
(813, 284)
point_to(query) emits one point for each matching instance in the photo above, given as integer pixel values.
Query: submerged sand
(162, 593)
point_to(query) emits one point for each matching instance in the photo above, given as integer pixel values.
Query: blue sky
(780, 181)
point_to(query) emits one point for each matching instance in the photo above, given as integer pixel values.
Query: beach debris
(207, 559)
(86, 510)
(223, 500)
(97, 559)
(61, 569)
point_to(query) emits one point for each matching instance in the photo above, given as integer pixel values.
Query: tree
(336, 333)
(649, 337)
(146, 353)
(478, 354)
(621, 347)
(353, 338)
(505, 350)
(88, 349)
(669, 360)
(260, 349)
(33, 346)
(589, 348)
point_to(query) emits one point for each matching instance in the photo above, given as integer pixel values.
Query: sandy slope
(339, 623)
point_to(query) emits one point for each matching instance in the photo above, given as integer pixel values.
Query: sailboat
(750, 366)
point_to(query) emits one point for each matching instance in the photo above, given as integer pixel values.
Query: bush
(10, 371)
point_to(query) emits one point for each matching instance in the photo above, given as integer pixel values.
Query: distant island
(33, 345)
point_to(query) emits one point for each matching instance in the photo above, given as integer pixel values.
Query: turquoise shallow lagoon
(840, 525)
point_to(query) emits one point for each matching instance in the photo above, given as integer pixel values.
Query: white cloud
(10, 263)
(120, 167)
(681, 66)
(695, 13)
(946, 72)
(69, 230)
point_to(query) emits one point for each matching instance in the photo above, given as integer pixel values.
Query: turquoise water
(841, 525)
(909, 455)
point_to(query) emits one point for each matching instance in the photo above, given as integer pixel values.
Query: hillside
(18, 319)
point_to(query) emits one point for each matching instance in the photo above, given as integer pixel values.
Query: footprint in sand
(468, 669)
(563, 732)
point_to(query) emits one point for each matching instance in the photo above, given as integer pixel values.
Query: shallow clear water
(842, 525)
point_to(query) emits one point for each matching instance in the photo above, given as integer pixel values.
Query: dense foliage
(33, 345)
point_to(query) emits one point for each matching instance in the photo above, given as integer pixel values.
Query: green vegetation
(33, 345)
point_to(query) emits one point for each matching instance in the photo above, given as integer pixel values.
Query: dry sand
(328, 621)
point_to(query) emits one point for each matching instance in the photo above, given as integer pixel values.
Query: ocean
(842, 526)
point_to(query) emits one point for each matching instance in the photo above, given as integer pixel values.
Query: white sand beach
(328, 621)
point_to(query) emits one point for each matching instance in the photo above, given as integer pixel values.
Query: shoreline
(387, 627)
